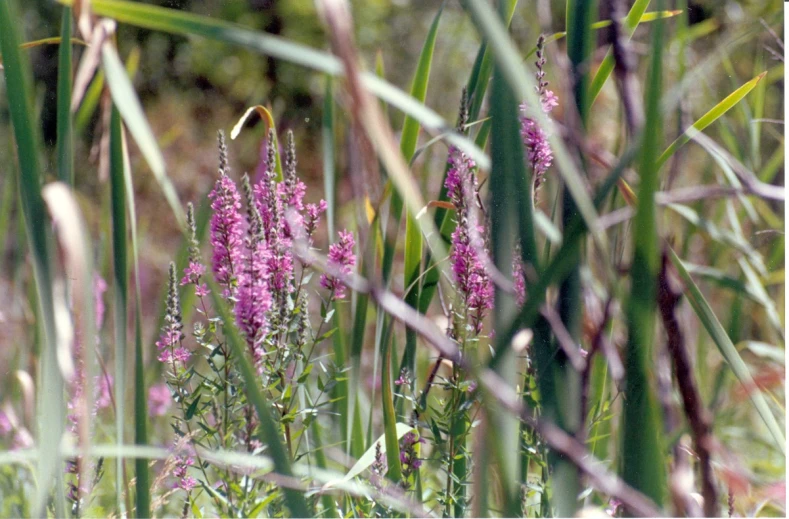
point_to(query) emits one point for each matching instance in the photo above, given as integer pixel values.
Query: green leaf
(128, 104)
(368, 458)
(729, 352)
(710, 117)
(51, 416)
(390, 422)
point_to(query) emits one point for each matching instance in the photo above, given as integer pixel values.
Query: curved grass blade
(329, 170)
(128, 105)
(51, 407)
(264, 114)
(710, 117)
(178, 22)
(390, 421)
(729, 351)
(65, 134)
(268, 433)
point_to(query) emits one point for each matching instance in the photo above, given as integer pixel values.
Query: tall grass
(516, 365)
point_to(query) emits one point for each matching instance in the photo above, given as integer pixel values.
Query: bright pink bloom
(226, 230)
(342, 258)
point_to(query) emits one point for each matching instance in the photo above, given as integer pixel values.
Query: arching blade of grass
(65, 138)
(329, 169)
(120, 284)
(142, 486)
(729, 352)
(178, 22)
(642, 454)
(51, 407)
(390, 420)
(264, 114)
(128, 105)
(413, 235)
(632, 20)
(268, 433)
(710, 117)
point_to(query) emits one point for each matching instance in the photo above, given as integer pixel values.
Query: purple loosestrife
(539, 153)
(171, 352)
(271, 207)
(253, 300)
(226, 224)
(194, 272)
(342, 259)
(468, 243)
(159, 400)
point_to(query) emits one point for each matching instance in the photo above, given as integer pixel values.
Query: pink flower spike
(341, 258)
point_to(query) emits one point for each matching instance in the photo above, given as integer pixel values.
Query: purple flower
(468, 243)
(201, 290)
(314, 212)
(159, 400)
(226, 230)
(171, 351)
(254, 298)
(193, 273)
(185, 481)
(538, 151)
(341, 258)
(5, 424)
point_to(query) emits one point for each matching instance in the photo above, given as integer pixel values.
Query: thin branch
(669, 296)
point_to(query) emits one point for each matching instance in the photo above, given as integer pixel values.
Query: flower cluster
(535, 139)
(469, 249)
(409, 454)
(341, 259)
(171, 350)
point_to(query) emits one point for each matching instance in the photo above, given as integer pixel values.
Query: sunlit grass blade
(51, 415)
(265, 115)
(179, 22)
(390, 421)
(65, 137)
(642, 452)
(729, 352)
(329, 170)
(267, 432)
(128, 105)
(710, 117)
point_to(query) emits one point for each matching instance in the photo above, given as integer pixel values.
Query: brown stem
(698, 418)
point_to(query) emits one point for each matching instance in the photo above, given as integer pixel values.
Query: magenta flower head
(226, 224)
(159, 400)
(341, 258)
(535, 140)
(468, 244)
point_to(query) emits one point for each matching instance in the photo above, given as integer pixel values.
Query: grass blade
(120, 282)
(729, 351)
(51, 407)
(142, 486)
(268, 433)
(65, 138)
(329, 170)
(128, 105)
(710, 117)
(642, 452)
(413, 236)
